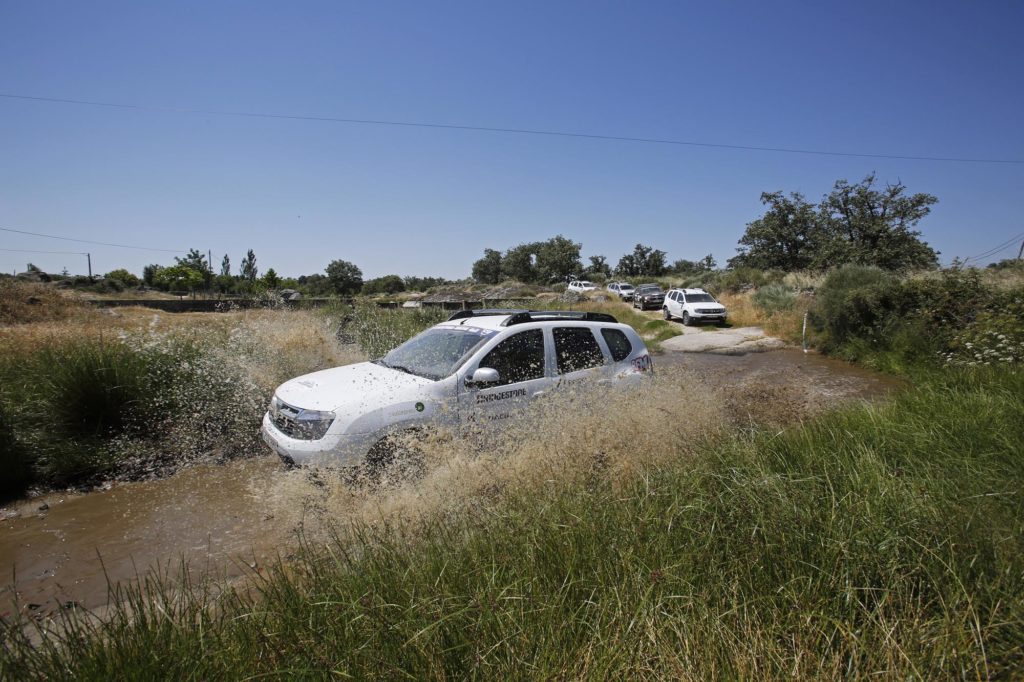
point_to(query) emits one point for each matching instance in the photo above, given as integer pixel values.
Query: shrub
(774, 297)
(995, 336)
(92, 388)
(740, 279)
(853, 302)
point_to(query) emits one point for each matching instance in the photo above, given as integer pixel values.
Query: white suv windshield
(625, 287)
(436, 353)
(699, 298)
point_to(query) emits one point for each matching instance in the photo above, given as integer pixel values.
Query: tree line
(861, 223)
(193, 272)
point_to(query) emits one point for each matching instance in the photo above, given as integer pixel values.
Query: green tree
(487, 270)
(314, 285)
(248, 268)
(179, 278)
(149, 274)
(868, 225)
(124, 277)
(271, 279)
(225, 266)
(346, 279)
(557, 259)
(197, 261)
(599, 267)
(789, 236)
(856, 223)
(689, 268)
(519, 263)
(413, 283)
(645, 261)
(388, 284)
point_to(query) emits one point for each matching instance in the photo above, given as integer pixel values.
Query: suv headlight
(300, 423)
(313, 424)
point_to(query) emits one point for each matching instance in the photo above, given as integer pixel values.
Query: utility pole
(1021, 252)
(88, 257)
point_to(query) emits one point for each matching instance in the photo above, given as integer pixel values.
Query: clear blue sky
(919, 79)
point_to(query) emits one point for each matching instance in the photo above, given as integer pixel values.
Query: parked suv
(479, 366)
(693, 305)
(581, 286)
(648, 296)
(624, 290)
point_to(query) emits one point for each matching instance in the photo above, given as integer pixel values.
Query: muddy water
(825, 379)
(62, 549)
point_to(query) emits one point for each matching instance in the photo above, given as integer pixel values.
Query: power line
(67, 253)
(516, 131)
(1002, 246)
(88, 241)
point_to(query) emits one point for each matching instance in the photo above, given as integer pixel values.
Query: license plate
(269, 440)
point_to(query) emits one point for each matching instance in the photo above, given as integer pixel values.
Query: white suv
(693, 305)
(624, 290)
(581, 286)
(479, 366)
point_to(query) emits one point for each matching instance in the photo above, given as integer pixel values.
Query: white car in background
(624, 290)
(480, 366)
(581, 286)
(693, 305)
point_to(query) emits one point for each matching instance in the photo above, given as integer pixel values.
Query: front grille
(710, 311)
(283, 416)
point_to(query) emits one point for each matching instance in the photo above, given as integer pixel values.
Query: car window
(518, 358)
(618, 344)
(701, 298)
(576, 349)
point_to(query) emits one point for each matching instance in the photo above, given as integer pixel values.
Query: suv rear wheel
(668, 315)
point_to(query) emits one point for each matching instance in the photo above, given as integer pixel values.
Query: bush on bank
(953, 317)
(85, 408)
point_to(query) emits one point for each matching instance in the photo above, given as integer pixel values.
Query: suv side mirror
(483, 375)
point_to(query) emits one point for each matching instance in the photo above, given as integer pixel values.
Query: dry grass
(783, 324)
(29, 302)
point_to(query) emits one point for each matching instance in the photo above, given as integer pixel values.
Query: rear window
(618, 344)
(576, 349)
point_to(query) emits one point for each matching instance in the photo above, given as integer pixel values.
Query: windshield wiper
(400, 368)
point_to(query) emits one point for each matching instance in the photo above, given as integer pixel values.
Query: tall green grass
(15, 460)
(378, 330)
(883, 540)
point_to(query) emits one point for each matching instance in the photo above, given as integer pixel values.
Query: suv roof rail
(483, 312)
(524, 316)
